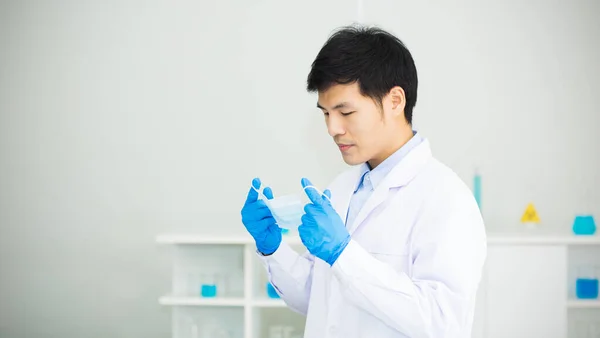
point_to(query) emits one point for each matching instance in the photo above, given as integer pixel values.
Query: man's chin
(352, 160)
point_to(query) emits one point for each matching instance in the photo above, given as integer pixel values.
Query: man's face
(362, 130)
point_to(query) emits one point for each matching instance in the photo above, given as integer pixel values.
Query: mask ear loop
(261, 195)
(319, 191)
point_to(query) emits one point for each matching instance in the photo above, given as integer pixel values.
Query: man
(396, 245)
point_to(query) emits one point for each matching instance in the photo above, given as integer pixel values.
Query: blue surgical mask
(287, 210)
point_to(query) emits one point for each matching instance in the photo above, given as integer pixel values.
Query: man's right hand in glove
(259, 221)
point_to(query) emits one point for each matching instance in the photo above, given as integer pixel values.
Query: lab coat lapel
(372, 202)
(402, 173)
(345, 191)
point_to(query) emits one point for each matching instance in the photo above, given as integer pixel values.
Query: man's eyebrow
(337, 106)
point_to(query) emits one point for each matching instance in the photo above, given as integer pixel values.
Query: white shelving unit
(243, 309)
(246, 311)
(528, 288)
(583, 304)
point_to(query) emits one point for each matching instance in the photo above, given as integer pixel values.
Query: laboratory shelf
(492, 238)
(583, 304)
(230, 262)
(198, 301)
(268, 303)
(183, 239)
(200, 239)
(242, 304)
(525, 239)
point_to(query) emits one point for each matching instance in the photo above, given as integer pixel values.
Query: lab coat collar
(399, 176)
(383, 169)
(409, 167)
(402, 172)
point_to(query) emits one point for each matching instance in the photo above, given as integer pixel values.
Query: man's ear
(397, 100)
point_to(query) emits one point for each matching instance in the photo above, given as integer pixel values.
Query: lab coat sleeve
(291, 275)
(448, 250)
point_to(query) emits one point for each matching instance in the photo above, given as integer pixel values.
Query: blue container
(477, 189)
(271, 292)
(587, 288)
(208, 290)
(584, 225)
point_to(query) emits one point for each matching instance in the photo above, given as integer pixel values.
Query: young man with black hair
(396, 244)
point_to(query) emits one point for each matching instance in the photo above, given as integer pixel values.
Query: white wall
(510, 87)
(122, 119)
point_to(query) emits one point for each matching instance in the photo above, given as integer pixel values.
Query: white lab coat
(413, 265)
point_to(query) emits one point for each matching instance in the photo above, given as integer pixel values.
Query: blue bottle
(584, 225)
(477, 188)
(271, 292)
(586, 288)
(208, 290)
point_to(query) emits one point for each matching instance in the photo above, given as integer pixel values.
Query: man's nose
(335, 125)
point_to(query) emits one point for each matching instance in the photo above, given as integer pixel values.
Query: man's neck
(399, 143)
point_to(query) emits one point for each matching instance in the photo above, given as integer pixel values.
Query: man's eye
(348, 113)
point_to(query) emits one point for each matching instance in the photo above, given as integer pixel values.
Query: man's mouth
(344, 147)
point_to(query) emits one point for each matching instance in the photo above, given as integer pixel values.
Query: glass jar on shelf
(586, 283)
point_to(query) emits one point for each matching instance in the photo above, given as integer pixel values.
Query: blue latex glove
(322, 231)
(259, 221)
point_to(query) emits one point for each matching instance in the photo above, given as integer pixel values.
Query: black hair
(374, 58)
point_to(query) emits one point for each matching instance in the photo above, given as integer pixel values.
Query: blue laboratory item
(271, 292)
(477, 188)
(584, 225)
(284, 231)
(587, 288)
(287, 210)
(208, 290)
